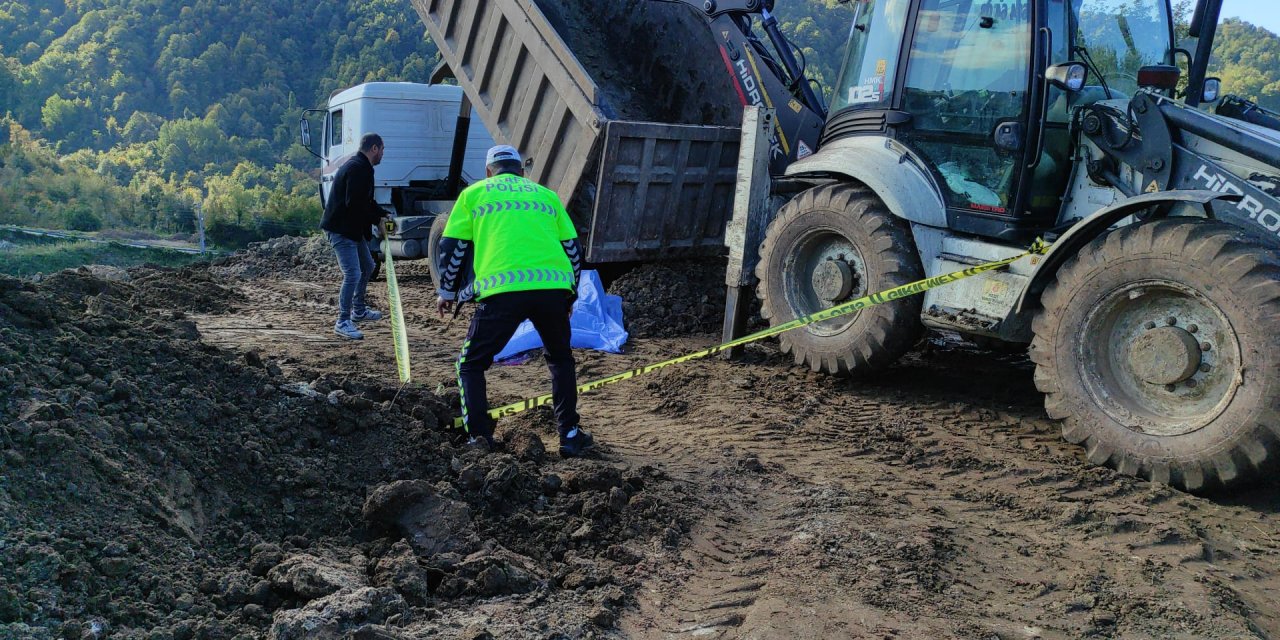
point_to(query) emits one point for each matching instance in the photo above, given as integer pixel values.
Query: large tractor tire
(830, 245)
(1159, 349)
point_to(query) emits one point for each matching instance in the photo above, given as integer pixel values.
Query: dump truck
(958, 132)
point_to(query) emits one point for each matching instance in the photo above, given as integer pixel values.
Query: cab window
(871, 58)
(335, 128)
(968, 75)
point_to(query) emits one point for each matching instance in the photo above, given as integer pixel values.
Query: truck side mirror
(1068, 76)
(1212, 89)
(306, 132)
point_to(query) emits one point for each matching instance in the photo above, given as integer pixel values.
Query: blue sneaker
(367, 315)
(575, 443)
(348, 330)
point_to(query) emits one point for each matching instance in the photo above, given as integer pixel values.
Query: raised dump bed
(623, 107)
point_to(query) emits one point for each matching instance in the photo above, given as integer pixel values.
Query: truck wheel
(433, 246)
(830, 245)
(1159, 347)
(433, 254)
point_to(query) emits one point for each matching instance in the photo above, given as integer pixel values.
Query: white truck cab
(418, 123)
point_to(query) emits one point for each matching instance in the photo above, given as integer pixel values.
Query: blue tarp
(596, 321)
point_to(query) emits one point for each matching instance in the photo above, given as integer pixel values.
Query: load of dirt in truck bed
(653, 61)
(154, 486)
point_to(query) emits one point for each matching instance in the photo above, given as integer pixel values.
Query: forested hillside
(1247, 58)
(154, 104)
(125, 113)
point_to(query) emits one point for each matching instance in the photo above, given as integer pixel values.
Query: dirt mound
(189, 289)
(286, 255)
(673, 299)
(155, 486)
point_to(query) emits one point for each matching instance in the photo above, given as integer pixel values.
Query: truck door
(967, 89)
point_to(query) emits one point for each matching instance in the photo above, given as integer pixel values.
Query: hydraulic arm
(772, 79)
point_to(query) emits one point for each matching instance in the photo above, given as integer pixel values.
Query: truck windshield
(1122, 36)
(871, 57)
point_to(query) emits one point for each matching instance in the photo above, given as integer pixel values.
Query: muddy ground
(194, 455)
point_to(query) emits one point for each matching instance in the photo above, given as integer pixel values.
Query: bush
(229, 235)
(81, 219)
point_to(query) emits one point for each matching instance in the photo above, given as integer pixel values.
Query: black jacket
(351, 210)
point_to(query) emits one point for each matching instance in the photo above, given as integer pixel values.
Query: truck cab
(418, 123)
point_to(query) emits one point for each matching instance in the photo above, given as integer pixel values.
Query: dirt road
(934, 501)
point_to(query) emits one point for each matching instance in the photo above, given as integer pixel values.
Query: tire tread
(890, 244)
(1240, 265)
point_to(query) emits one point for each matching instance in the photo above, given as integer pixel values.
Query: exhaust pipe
(460, 132)
(1204, 25)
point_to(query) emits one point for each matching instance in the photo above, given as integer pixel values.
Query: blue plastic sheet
(596, 322)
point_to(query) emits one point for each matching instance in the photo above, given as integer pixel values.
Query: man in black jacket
(349, 216)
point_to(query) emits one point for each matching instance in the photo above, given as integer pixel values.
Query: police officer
(527, 260)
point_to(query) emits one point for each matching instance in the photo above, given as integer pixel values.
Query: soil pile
(673, 299)
(191, 289)
(284, 256)
(154, 486)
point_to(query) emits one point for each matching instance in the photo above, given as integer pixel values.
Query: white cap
(502, 153)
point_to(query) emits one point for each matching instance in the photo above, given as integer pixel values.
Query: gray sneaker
(347, 329)
(368, 315)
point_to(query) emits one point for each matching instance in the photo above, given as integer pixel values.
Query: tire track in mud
(739, 574)
(726, 561)
(935, 501)
(997, 526)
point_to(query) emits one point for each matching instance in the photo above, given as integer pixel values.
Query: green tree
(9, 85)
(193, 144)
(1247, 58)
(80, 218)
(70, 122)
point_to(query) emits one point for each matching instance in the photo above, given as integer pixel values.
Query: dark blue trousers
(496, 319)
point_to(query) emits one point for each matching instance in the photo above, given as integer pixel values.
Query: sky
(1264, 13)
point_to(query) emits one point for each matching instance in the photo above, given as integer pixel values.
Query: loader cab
(960, 83)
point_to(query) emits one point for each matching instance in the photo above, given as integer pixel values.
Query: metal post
(200, 223)
(751, 215)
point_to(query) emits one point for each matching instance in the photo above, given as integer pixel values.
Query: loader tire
(1158, 347)
(829, 245)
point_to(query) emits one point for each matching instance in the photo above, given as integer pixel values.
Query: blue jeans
(356, 262)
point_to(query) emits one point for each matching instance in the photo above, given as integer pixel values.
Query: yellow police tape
(1039, 247)
(397, 313)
